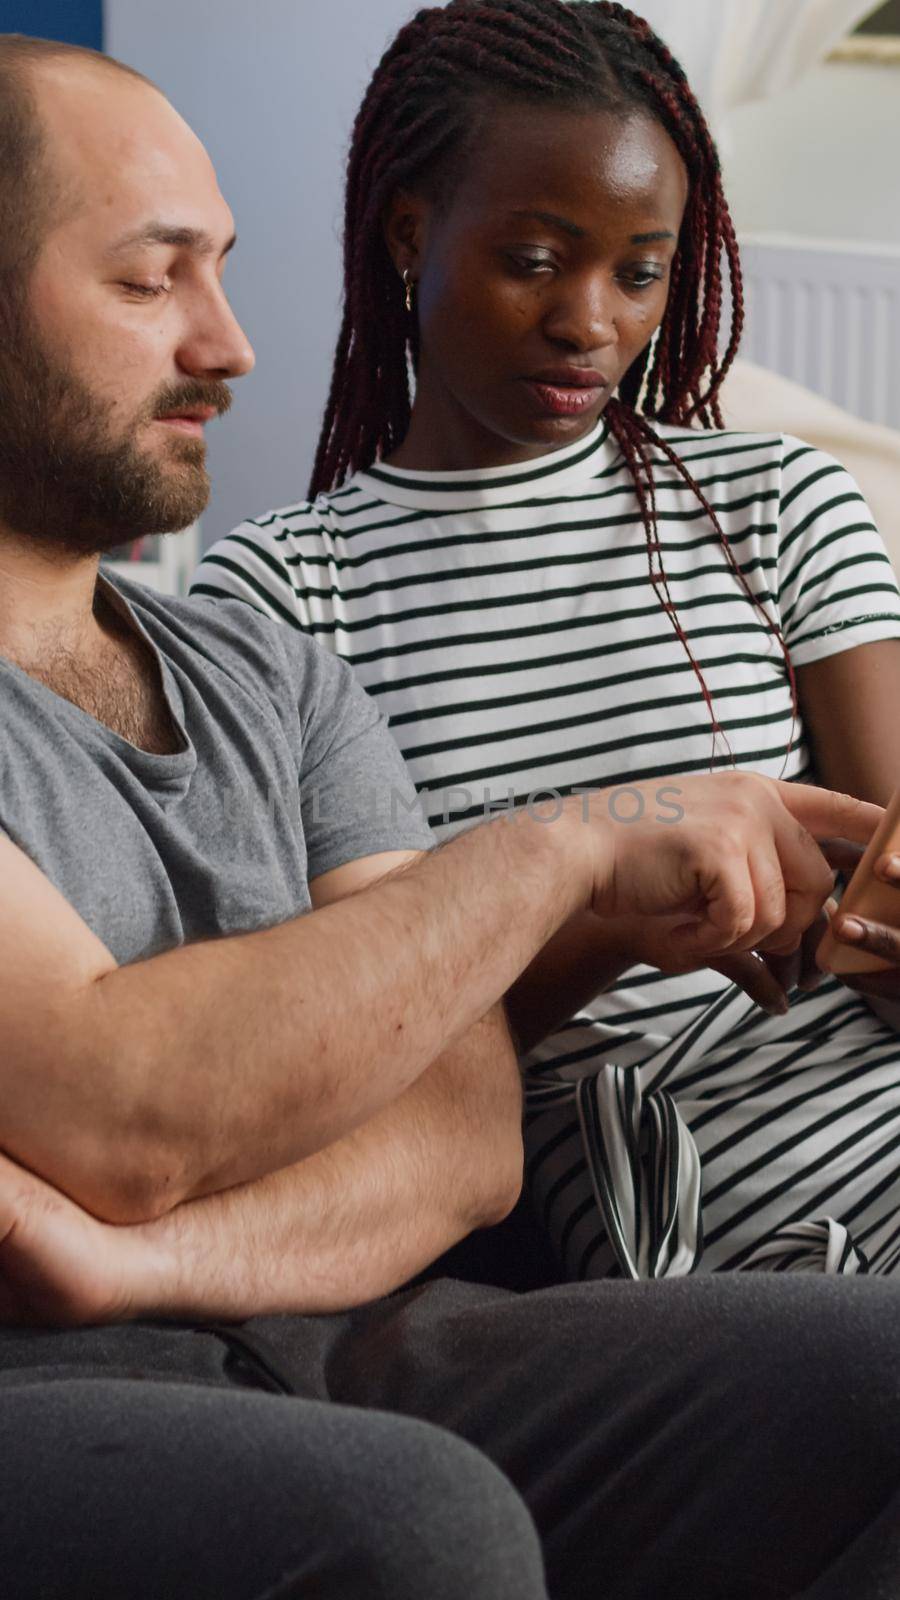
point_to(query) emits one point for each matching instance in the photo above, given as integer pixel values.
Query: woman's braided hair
(415, 126)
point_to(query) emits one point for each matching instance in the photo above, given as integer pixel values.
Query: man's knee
(428, 1514)
(155, 1488)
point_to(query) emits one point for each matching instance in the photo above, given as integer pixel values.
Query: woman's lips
(564, 400)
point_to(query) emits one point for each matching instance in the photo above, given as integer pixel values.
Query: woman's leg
(772, 1143)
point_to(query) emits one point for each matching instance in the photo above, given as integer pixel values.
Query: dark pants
(720, 1438)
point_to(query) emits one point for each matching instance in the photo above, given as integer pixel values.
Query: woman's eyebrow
(553, 221)
(563, 223)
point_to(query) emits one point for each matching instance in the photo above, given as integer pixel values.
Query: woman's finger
(754, 976)
(841, 854)
(799, 970)
(785, 970)
(811, 974)
(887, 869)
(874, 937)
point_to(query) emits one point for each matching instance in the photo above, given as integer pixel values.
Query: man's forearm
(356, 1220)
(217, 1064)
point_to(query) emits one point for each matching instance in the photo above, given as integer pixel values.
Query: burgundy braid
(416, 119)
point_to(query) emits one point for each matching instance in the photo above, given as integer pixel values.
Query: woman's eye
(643, 277)
(530, 264)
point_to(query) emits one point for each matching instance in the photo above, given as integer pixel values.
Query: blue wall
(75, 21)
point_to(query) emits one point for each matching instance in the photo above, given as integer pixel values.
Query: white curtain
(735, 51)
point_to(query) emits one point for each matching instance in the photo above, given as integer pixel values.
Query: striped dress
(506, 621)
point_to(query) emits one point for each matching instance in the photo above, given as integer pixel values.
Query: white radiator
(827, 316)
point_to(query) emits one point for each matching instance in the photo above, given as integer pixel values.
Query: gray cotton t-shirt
(287, 770)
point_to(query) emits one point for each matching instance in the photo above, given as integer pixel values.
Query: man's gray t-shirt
(287, 770)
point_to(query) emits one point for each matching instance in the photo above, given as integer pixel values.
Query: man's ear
(405, 225)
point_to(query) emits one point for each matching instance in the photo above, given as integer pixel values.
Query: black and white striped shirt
(506, 621)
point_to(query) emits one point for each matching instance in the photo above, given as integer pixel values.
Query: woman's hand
(654, 942)
(59, 1265)
(767, 979)
(880, 940)
(800, 970)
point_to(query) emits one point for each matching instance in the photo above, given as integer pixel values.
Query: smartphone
(866, 896)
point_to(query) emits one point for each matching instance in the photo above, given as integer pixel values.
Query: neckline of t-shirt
(166, 769)
(177, 764)
(547, 474)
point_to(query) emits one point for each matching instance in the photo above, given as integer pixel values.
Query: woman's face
(540, 279)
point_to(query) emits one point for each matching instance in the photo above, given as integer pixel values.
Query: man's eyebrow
(179, 238)
(553, 221)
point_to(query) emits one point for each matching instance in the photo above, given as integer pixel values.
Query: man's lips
(568, 391)
(191, 420)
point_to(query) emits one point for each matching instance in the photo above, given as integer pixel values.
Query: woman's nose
(582, 319)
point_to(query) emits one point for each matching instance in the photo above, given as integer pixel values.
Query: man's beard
(66, 480)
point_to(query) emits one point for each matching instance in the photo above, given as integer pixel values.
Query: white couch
(764, 402)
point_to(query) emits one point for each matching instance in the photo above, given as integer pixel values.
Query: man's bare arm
(136, 1089)
(217, 1064)
(357, 1220)
(346, 1226)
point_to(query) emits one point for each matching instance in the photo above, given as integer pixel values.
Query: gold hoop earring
(409, 286)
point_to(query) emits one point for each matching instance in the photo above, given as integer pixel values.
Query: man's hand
(347, 1225)
(738, 871)
(58, 1264)
(663, 889)
(766, 977)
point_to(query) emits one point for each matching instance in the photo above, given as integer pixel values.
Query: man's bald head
(31, 192)
(116, 336)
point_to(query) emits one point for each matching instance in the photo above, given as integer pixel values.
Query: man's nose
(214, 343)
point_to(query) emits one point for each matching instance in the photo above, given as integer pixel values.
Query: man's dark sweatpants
(719, 1438)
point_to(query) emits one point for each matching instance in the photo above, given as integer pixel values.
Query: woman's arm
(850, 705)
(584, 958)
(587, 957)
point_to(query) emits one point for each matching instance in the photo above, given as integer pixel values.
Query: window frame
(869, 49)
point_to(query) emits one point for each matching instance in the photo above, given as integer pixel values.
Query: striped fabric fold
(640, 1164)
(823, 1246)
(645, 1171)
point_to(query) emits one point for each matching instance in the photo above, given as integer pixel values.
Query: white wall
(822, 159)
(272, 89)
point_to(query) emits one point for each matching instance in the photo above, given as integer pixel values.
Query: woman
(556, 570)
